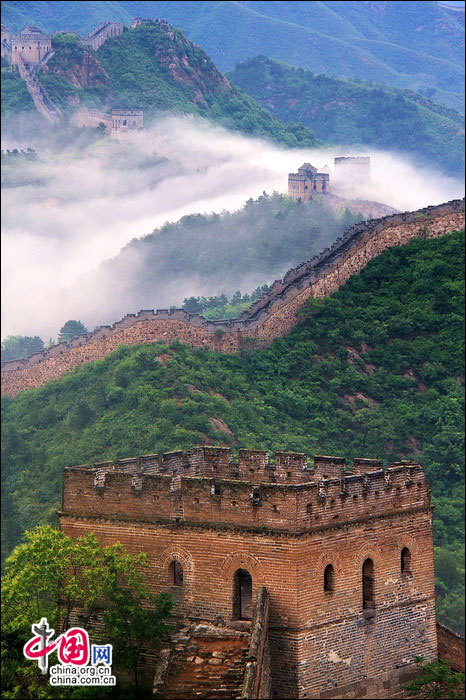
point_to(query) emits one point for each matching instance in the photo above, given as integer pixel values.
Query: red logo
(73, 646)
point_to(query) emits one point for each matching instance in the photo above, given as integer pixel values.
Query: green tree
(437, 680)
(18, 347)
(54, 576)
(71, 330)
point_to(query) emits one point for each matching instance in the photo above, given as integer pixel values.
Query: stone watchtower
(31, 45)
(352, 170)
(347, 560)
(307, 182)
(127, 120)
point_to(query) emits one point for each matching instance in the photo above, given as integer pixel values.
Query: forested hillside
(354, 112)
(415, 45)
(154, 69)
(223, 252)
(376, 371)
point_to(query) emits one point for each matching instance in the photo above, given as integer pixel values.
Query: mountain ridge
(376, 369)
(366, 40)
(343, 111)
(153, 67)
(272, 316)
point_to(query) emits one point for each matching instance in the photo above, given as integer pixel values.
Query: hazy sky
(89, 204)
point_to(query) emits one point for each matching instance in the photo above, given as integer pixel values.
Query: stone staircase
(204, 661)
(38, 93)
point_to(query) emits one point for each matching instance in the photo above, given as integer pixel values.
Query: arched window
(329, 578)
(242, 595)
(405, 561)
(124, 122)
(368, 584)
(176, 573)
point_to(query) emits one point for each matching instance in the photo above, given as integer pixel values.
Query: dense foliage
(151, 69)
(222, 252)
(71, 329)
(93, 581)
(376, 370)
(417, 45)
(220, 306)
(15, 97)
(354, 112)
(17, 347)
(15, 155)
(436, 680)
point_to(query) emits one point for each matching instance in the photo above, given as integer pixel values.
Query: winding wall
(270, 317)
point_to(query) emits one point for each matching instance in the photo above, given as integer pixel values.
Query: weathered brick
(322, 642)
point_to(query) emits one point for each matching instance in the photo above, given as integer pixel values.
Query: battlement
(271, 316)
(352, 170)
(361, 160)
(207, 486)
(307, 182)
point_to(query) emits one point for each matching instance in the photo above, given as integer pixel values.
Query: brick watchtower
(347, 560)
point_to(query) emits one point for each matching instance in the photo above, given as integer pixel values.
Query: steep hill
(375, 370)
(271, 316)
(415, 45)
(15, 97)
(154, 67)
(349, 112)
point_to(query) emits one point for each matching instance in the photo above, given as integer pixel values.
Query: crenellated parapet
(272, 316)
(207, 486)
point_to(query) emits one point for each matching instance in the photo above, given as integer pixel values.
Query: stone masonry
(270, 317)
(346, 560)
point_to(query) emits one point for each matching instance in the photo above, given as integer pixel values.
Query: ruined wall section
(451, 647)
(270, 317)
(257, 683)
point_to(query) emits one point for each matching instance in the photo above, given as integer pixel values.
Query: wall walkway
(272, 316)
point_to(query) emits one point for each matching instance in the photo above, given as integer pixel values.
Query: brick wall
(450, 647)
(258, 673)
(272, 316)
(321, 641)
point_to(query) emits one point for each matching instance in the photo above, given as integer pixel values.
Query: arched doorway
(242, 595)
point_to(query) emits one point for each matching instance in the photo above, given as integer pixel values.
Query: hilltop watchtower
(347, 560)
(307, 182)
(352, 170)
(127, 119)
(31, 45)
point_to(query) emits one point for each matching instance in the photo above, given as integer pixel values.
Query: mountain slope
(154, 67)
(415, 45)
(376, 370)
(349, 112)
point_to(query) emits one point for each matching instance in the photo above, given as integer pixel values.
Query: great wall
(30, 50)
(292, 578)
(270, 317)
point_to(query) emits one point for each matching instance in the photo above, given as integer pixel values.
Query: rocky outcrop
(87, 72)
(270, 317)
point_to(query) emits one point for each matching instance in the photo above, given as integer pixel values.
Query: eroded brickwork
(451, 647)
(284, 522)
(272, 316)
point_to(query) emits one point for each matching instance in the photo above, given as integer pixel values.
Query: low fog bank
(74, 209)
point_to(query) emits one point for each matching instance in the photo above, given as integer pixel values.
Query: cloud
(85, 203)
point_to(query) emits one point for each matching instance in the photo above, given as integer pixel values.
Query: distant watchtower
(352, 170)
(307, 182)
(31, 45)
(347, 560)
(123, 120)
